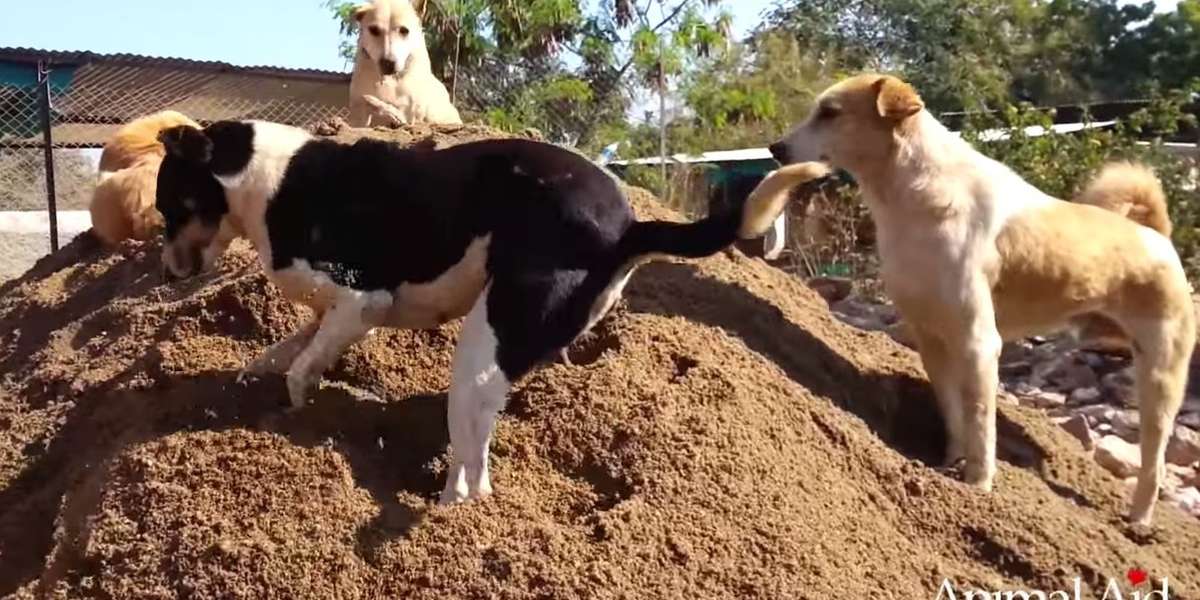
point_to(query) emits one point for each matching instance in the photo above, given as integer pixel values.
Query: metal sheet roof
(102, 91)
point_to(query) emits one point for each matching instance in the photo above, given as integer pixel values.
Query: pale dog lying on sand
(972, 255)
(393, 82)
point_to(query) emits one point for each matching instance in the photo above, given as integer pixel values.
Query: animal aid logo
(1136, 586)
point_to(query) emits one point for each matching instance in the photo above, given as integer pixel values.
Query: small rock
(1085, 395)
(1178, 476)
(864, 323)
(1190, 405)
(1064, 373)
(1078, 426)
(1126, 424)
(1118, 456)
(1191, 420)
(832, 289)
(1184, 447)
(1187, 499)
(1096, 413)
(1007, 398)
(1022, 388)
(1043, 399)
(1104, 428)
(1091, 359)
(902, 334)
(1118, 387)
(1016, 368)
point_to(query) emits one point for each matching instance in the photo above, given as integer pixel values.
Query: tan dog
(392, 65)
(972, 254)
(122, 205)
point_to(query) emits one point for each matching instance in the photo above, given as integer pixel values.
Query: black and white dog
(532, 242)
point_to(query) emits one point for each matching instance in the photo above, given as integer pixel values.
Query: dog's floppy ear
(896, 100)
(361, 11)
(188, 143)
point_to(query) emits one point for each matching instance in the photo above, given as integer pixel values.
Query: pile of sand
(720, 436)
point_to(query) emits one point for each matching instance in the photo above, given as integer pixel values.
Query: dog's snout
(780, 152)
(387, 66)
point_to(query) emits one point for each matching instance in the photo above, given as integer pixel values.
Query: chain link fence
(58, 109)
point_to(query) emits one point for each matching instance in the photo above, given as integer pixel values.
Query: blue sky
(242, 32)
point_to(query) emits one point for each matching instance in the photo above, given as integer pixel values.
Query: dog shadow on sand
(899, 408)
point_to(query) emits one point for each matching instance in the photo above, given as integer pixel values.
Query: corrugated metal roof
(104, 91)
(73, 57)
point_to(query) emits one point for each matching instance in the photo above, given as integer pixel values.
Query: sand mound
(719, 436)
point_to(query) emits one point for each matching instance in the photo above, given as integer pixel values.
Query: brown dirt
(720, 436)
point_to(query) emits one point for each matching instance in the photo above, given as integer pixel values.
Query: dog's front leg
(939, 367)
(278, 358)
(341, 326)
(980, 364)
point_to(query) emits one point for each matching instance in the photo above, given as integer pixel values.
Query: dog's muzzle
(180, 262)
(780, 151)
(387, 66)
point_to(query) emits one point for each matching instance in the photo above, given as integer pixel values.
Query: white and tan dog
(391, 67)
(972, 255)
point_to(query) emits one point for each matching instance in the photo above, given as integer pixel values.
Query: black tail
(689, 240)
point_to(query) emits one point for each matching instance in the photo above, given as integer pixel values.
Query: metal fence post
(48, 147)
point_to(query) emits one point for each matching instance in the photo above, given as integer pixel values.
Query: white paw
(978, 477)
(298, 388)
(456, 490)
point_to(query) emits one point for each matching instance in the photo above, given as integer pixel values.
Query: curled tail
(709, 235)
(768, 200)
(1132, 191)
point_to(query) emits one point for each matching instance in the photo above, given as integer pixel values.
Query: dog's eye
(403, 31)
(375, 30)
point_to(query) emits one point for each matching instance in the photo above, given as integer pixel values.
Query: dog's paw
(298, 388)
(978, 478)
(456, 491)
(246, 375)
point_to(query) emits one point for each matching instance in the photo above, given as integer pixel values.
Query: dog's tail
(768, 200)
(1132, 191)
(709, 235)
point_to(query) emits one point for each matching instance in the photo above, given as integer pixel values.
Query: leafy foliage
(565, 67)
(1061, 164)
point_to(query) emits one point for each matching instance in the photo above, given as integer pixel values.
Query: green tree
(566, 67)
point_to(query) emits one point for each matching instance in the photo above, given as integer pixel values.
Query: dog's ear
(361, 11)
(419, 6)
(188, 143)
(896, 100)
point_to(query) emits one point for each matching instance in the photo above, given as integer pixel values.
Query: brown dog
(972, 254)
(122, 205)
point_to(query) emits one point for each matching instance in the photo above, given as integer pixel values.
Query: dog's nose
(388, 66)
(780, 152)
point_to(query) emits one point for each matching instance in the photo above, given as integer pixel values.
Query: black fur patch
(374, 216)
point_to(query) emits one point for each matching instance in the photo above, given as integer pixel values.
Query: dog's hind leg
(943, 377)
(341, 325)
(478, 390)
(520, 320)
(1162, 351)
